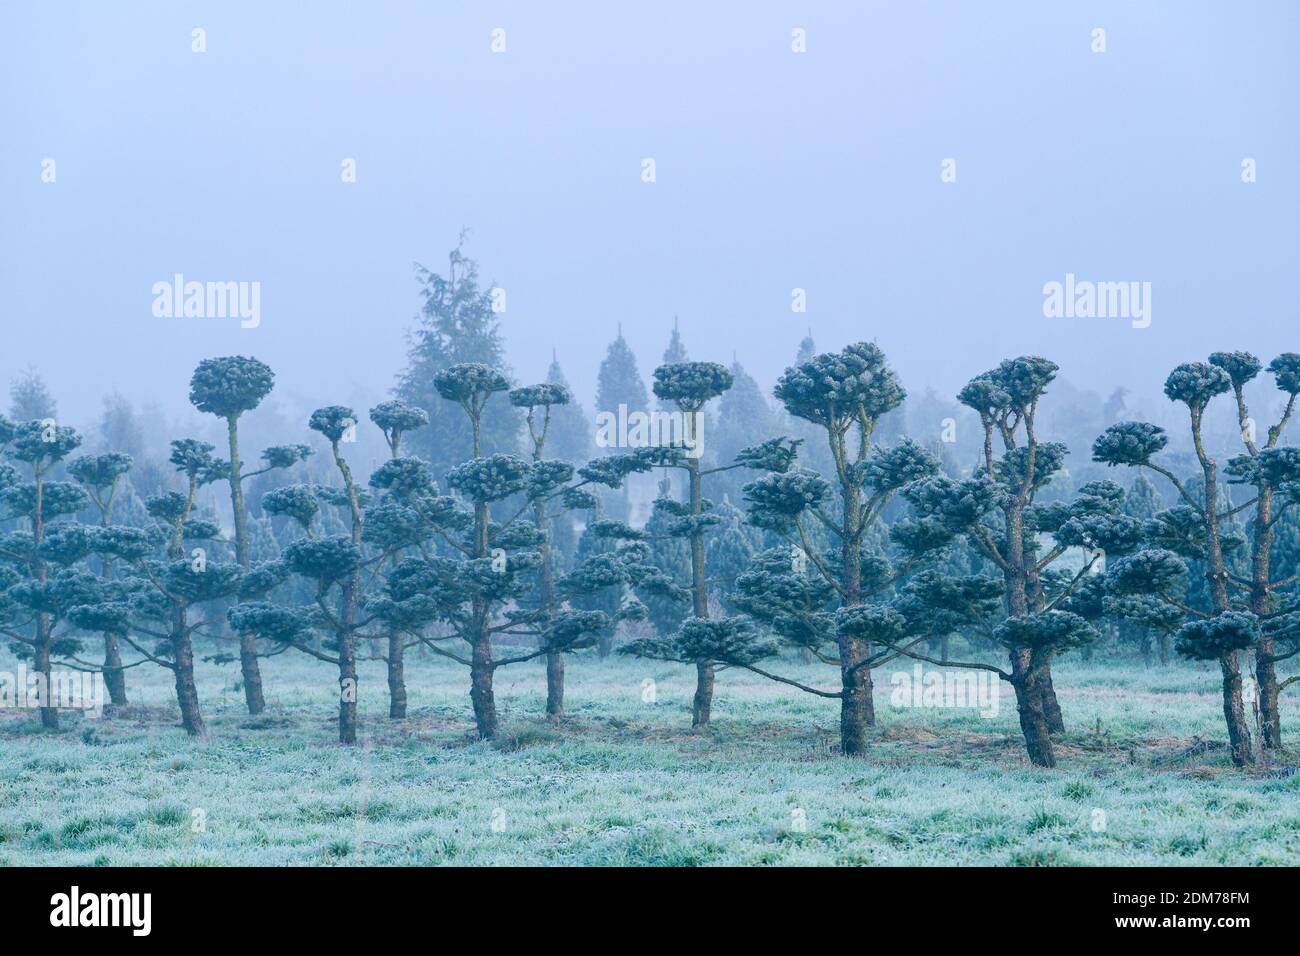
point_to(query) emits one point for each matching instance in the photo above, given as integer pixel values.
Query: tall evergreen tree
(571, 433)
(120, 431)
(744, 419)
(619, 384)
(30, 399)
(570, 440)
(457, 325)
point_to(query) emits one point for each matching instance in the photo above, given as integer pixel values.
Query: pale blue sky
(775, 171)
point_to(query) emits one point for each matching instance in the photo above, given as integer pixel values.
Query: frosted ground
(623, 781)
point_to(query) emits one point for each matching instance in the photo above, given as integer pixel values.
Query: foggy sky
(775, 170)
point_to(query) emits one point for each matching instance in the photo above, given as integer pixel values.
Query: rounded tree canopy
(1240, 366)
(397, 416)
(390, 525)
(57, 498)
(326, 560)
(1048, 630)
(1286, 372)
(538, 396)
(261, 578)
(1195, 383)
(1024, 379)
(285, 456)
(691, 384)
(1113, 533)
(1101, 496)
(1206, 640)
(1279, 466)
(111, 617)
(775, 454)
(732, 640)
(66, 544)
(298, 502)
(268, 621)
(332, 421)
(491, 478)
(547, 477)
(579, 499)
(892, 468)
(129, 544)
(229, 386)
(215, 581)
(871, 622)
(854, 383)
(1129, 443)
(469, 381)
(984, 395)
(42, 442)
(404, 477)
(958, 504)
(1150, 571)
(100, 471)
(776, 500)
(194, 459)
(169, 506)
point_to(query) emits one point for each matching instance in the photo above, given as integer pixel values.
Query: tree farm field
(623, 780)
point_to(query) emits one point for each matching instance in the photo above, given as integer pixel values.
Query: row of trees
(846, 543)
(469, 574)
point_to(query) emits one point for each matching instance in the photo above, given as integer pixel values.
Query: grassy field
(623, 781)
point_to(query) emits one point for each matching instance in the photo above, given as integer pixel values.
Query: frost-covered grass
(623, 781)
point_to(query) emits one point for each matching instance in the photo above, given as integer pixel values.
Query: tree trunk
(1270, 720)
(396, 677)
(114, 676)
(857, 710)
(1234, 712)
(1051, 707)
(702, 703)
(554, 686)
(347, 690)
(1163, 645)
(252, 674)
(248, 665)
(187, 694)
(41, 649)
(1027, 675)
(1234, 709)
(480, 689)
(554, 659)
(41, 655)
